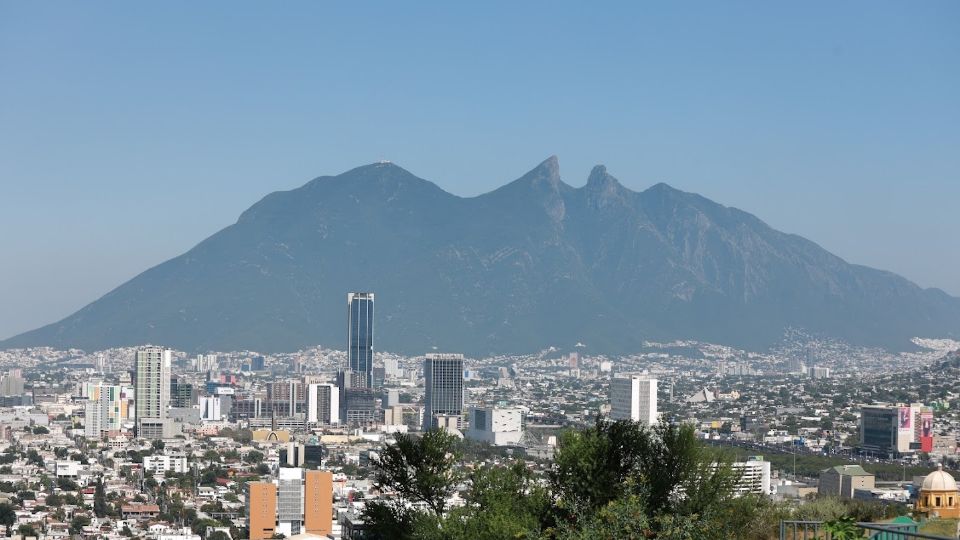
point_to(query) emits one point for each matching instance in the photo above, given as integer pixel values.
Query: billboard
(926, 431)
(906, 420)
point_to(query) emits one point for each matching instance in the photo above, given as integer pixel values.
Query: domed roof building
(939, 495)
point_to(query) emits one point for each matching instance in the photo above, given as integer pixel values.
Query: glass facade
(360, 336)
(878, 429)
(443, 375)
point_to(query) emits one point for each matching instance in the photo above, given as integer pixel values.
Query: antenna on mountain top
(383, 162)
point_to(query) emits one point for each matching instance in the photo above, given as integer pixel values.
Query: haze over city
(538, 270)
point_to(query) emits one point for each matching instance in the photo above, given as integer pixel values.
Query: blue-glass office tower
(360, 337)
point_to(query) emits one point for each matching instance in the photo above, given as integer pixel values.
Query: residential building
(152, 391)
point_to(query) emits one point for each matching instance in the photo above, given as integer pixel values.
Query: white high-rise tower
(152, 391)
(634, 398)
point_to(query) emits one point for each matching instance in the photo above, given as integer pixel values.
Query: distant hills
(532, 264)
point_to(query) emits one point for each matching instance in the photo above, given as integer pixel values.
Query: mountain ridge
(533, 263)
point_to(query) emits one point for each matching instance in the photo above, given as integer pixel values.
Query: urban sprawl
(149, 442)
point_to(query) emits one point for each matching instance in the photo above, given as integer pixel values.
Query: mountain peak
(663, 187)
(600, 179)
(547, 171)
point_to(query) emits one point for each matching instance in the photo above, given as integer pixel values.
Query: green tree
(100, 508)
(78, 523)
(421, 471)
(218, 535)
(593, 466)
(844, 528)
(27, 529)
(503, 502)
(253, 456)
(40, 430)
(8, 516)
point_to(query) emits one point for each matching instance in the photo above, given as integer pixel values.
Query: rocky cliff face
(531, 264)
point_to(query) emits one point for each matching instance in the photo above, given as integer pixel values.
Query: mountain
(532, 264)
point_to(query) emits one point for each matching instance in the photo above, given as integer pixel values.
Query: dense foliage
(612, 480)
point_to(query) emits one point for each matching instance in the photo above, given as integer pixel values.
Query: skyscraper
(634, 398)
(443, 375)
(152, 391)
(360, 336)
(356, 378)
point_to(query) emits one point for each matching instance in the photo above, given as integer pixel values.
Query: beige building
(939, 496)
(262, 511)
(843, 480)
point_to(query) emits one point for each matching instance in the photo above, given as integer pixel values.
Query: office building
(323, 404)
(634, 398)
(357, 401)
(360, 337)
(211, 408)
(300, 502)
(443, 380)
(891, 431)
(289, 501)
(390, 398)
(262, 510)
(287, 398)
(152, 391)
(495, 425)
(183, 395)
(257, 363)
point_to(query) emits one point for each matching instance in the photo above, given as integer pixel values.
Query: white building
(211, 408)
(289, 501)
(754, 476)
(68, 469)
(152, 391)
(817, 372)
(323, 404)
(634, 398)
(495, 425)
(161, 464)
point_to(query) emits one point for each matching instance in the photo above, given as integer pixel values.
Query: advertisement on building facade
(926, 431)
(906, 422)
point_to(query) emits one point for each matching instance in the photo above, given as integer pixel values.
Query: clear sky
(131, 131)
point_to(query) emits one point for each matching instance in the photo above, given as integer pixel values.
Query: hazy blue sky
(131, 131)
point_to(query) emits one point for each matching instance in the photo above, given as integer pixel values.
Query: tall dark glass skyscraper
(360, 336)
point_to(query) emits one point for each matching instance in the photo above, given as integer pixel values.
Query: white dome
(939, 481)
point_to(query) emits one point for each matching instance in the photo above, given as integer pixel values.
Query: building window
(938, 502)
